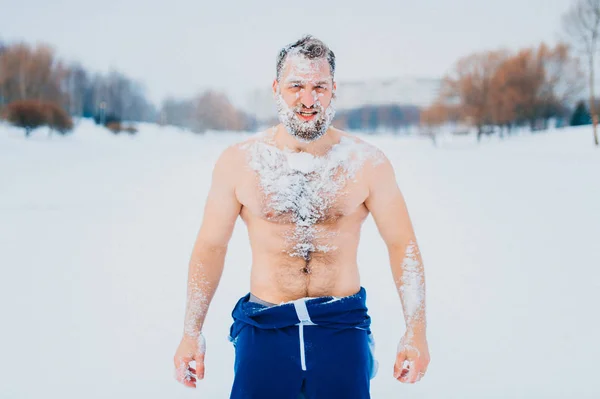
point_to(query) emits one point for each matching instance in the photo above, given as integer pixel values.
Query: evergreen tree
(581, 115)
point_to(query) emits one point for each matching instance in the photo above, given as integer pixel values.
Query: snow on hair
(310, 47)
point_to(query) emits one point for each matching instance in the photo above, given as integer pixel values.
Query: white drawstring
(304, 317)
(302, 354)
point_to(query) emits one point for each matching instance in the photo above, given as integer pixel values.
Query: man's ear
(275, 87)
(334, 89)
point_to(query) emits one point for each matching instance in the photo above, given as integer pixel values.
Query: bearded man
(303, 189)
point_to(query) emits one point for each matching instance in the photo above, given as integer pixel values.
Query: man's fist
(412, 359)
(190, 349)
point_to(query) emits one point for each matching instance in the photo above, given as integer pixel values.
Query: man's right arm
(206, 262)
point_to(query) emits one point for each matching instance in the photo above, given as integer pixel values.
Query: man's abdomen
(288, 279)
(289, 263)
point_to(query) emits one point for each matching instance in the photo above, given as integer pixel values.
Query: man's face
(304, 96)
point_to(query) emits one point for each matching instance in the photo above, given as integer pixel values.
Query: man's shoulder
(367, 152)
(235, 156)
(240, 149)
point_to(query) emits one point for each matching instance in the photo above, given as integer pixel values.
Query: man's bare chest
(306, 208)
(295, 189)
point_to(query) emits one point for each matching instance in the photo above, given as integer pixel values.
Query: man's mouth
(306, 115)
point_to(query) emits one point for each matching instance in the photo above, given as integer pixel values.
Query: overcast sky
(179, 47)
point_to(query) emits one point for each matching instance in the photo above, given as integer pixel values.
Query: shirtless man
(303, 189)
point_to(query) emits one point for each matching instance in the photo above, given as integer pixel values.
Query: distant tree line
(503, 90)
(206, 111)
(499, 90)
(35, 73)
(35, 85)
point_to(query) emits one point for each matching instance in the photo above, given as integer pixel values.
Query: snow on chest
(299, 187)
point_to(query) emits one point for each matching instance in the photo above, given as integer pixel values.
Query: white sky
(179, 47)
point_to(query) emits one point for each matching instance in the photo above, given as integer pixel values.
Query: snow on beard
(305, 131)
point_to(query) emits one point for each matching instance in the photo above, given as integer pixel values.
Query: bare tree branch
(582, 25)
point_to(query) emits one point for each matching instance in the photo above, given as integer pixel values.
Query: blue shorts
(311, 348)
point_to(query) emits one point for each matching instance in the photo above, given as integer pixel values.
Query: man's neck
(318, 147)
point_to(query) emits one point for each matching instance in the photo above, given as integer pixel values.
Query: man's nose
(308, 98)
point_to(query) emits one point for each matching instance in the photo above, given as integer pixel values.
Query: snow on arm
(208, 255)
(388, 207)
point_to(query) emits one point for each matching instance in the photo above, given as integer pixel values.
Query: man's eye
(320, 87)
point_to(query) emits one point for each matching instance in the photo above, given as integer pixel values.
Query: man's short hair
(309, 47)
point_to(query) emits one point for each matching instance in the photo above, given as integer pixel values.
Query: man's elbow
(210, 246)
(214, 248)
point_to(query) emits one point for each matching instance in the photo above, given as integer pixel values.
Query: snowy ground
(96, 231)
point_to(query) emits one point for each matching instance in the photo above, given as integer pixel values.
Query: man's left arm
(388, 207)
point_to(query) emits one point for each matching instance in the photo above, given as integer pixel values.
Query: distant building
(420, 92)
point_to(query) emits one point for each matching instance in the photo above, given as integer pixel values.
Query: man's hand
(412, 358)
(190, 349)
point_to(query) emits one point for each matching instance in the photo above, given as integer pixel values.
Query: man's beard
(305, 131)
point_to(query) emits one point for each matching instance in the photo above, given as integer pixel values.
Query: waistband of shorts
(328, 311)
(255, 299)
